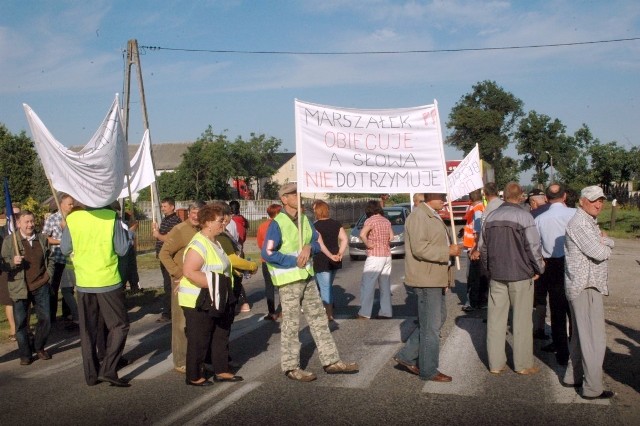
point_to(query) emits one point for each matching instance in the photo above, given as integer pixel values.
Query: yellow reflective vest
(283, 276)
(187, 291)
(94, 257)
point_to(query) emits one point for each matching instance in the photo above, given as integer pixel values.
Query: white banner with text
(467, 176)
(342, 150)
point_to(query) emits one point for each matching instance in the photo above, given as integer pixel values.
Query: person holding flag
(6, 231)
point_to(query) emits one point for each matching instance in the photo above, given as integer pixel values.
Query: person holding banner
(290, 243)
(53, 231)
(96, 238)
(28, 281)
(427, 265)
(477, 285)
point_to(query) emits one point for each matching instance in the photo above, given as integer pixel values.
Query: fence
(345, 211)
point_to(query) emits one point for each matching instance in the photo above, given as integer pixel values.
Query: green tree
(254, 159)
(206, 168)
(487, 117)
(539, 140)
(572, 165)
(168, 186)
(18, 159)
(611, 163)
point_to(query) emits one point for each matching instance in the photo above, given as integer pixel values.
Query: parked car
(397, 215)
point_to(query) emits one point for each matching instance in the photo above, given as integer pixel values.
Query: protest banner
(467, 176)
(369, 151)
(94, 176)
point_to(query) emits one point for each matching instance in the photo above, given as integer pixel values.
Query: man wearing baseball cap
(587, 250)
(290, 266)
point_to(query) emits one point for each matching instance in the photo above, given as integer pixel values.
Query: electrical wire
(388, 52)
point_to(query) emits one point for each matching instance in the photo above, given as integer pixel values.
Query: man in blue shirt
(552, 226)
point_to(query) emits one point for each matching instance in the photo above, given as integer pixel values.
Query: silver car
(397, 215)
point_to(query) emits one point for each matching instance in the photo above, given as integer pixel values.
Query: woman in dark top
(333, 241)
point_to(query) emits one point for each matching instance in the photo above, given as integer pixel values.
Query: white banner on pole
(467, 176)
(369, 151)
(142, 173)
(95, 176)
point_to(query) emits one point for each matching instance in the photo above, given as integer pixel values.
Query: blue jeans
(325, 285)
(423, 347)
(40, 300)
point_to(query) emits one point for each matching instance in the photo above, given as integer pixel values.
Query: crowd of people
(522, 248)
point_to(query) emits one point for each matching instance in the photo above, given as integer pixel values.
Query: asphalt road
(53, 392)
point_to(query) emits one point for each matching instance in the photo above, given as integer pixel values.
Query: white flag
(467, 176)
(141, 166)
(94, 176)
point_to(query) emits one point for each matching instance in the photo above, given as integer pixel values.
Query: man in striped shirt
(171, 219)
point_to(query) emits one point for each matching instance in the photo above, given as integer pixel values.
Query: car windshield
(395, 217)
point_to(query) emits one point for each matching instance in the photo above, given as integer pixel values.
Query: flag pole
(446, 184)
(55, 195)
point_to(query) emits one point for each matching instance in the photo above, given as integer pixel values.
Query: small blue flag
(8, 208)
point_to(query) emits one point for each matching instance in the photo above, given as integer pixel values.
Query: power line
(387, 52)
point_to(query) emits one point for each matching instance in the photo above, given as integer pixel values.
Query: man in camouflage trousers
(291, 271)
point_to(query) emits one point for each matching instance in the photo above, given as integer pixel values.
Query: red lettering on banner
(319, 179)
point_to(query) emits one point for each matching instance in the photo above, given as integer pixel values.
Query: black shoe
(217, 378)
(43, 355)
(604, 395)
(122, 362)
(201, 384)
(120, 383)
(540, 335)
(571, 385)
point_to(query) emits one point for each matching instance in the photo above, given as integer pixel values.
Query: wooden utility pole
(133, 58)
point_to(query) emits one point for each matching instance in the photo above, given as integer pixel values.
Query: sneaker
(342, 367)
(468, 308)
(604, 395)
(182, 369)
(529, 371)
(300, 375)
(245, 308)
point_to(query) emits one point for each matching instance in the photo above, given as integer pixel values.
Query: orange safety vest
(469, 239)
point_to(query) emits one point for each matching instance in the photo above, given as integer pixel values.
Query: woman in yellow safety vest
(208, 325)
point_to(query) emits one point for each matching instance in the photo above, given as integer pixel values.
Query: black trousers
(269, 289)
(55, 286)
(166, 284)
(553, 279)
(111, 306)
(204, 334)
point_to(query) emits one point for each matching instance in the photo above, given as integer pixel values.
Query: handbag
(215, 298)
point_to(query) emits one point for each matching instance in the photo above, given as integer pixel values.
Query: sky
(66, 60)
